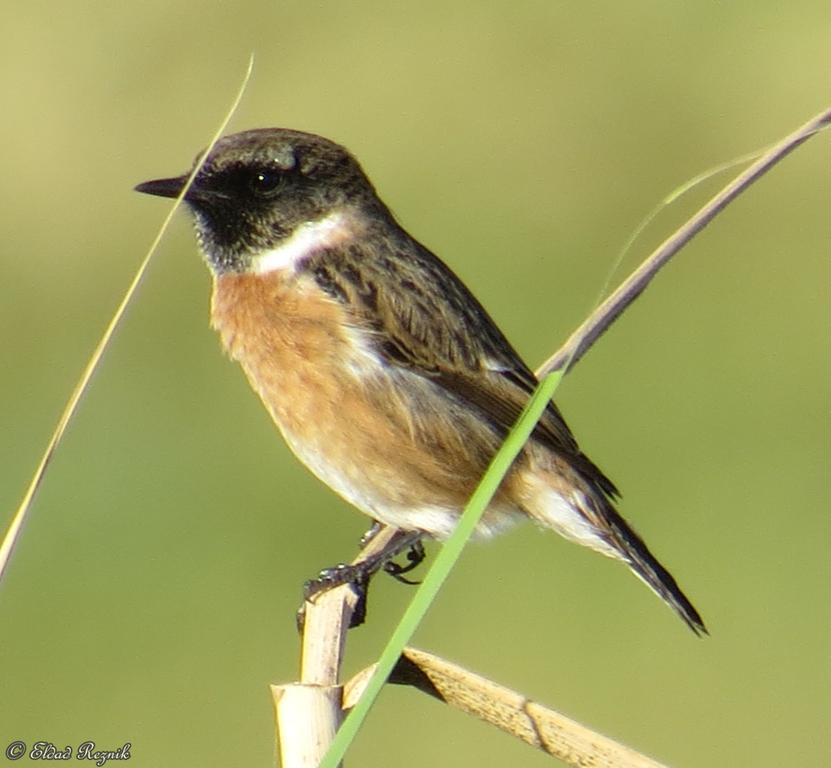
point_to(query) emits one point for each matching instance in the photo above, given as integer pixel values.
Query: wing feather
(421, 317)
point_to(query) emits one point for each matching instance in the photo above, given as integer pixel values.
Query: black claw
(415, 556)
(359, 611)
(395, 570)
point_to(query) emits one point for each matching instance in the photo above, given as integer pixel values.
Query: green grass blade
(444, 561)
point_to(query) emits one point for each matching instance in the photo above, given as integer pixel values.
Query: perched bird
(385, 375)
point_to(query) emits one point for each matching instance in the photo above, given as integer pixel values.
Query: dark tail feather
(649, 570)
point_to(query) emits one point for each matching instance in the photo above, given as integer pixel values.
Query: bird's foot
(358, 574)
(415, 556)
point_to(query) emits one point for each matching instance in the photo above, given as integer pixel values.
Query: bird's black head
(257, 187)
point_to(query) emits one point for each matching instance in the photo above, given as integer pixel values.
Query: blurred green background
(151, 598)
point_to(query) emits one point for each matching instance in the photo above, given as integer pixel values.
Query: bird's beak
(163, 187)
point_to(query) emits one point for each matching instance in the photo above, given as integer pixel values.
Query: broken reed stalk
(309, 712)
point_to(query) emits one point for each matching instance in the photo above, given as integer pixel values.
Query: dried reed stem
(533, 723)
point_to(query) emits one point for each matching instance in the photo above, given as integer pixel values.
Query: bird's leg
(361, 571)
(369, 535)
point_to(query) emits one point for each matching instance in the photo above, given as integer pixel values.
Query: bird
(385, 375)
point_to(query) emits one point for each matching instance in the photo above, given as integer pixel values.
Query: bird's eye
(265, 183)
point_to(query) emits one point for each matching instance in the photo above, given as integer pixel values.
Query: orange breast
(388, 441)
(289, 338)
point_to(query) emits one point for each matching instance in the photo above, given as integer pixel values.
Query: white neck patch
(307, 239)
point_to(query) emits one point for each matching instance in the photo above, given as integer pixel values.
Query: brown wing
(423, 318)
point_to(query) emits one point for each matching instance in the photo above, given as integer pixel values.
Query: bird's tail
(581, 510)
(646, 567)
